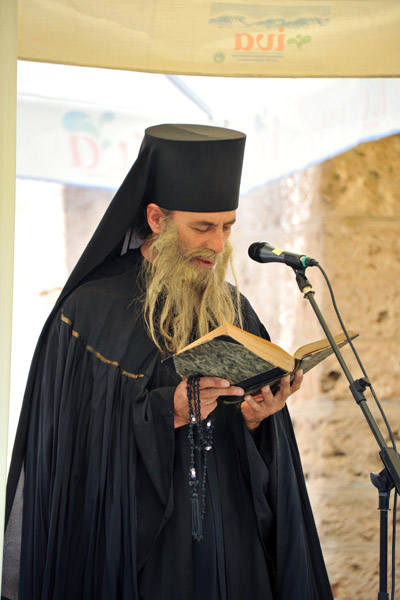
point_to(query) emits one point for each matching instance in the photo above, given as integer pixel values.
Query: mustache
(203, 253)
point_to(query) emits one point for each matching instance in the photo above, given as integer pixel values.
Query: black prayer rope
(203, 431)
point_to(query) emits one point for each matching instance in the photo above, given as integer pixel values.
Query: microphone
(264, 253)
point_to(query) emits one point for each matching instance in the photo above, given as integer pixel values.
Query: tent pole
(8, 111)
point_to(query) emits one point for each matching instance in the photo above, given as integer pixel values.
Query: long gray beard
(184, 301)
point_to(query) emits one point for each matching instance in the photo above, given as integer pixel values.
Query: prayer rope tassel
(197, 522)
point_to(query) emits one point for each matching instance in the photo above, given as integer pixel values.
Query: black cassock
(106, 506)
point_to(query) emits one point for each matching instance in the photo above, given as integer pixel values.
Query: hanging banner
(87, 145)
(91, 145)
(75, 144)
(288, 38)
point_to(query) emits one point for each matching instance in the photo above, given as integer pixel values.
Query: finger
(284, 388)
(230, 391)
(266, 391)
(297, 381)
(258, 397)
(254, 404)
(211, 394)
(213, 382)
(221, 386)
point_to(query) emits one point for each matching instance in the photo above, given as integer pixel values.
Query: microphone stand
(389, 477)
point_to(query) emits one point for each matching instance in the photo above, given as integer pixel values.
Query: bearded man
(106, 453)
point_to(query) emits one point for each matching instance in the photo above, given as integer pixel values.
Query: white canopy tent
(196, 37)
(83, 126)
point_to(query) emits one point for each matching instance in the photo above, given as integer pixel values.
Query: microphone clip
(302, 281)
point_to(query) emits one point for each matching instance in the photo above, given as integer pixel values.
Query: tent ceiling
(289, 38)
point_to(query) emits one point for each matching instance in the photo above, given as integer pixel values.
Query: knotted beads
(201, 432)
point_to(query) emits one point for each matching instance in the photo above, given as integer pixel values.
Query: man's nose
(216, 241)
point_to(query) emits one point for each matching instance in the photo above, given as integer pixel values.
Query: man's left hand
(257, 408)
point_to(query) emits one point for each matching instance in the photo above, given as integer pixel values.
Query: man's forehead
(211, 218)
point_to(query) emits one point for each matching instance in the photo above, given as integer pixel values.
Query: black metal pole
(390, 476)
(384, 485)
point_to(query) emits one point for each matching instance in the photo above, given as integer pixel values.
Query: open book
(247, 360)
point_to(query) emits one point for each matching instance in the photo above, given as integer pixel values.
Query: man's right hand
(210, 388)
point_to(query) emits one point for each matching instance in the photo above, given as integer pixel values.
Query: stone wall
(346, 214)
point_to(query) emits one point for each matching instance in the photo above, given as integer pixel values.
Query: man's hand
(257, 408)
(210, 388)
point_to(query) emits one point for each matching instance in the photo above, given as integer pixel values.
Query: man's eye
(201, 229)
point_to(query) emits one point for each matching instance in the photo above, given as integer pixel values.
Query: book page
(315, 347)
(311, 360)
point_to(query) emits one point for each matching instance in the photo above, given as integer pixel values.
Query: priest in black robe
(117, 488)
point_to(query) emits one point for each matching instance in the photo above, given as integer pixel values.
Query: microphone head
(263, 252)
(253, 251)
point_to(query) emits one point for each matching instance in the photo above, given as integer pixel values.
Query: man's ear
(155, 218)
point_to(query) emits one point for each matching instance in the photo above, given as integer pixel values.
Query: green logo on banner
(219, 57)
(300, 40)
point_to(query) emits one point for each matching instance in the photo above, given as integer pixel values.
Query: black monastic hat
(195, 168)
